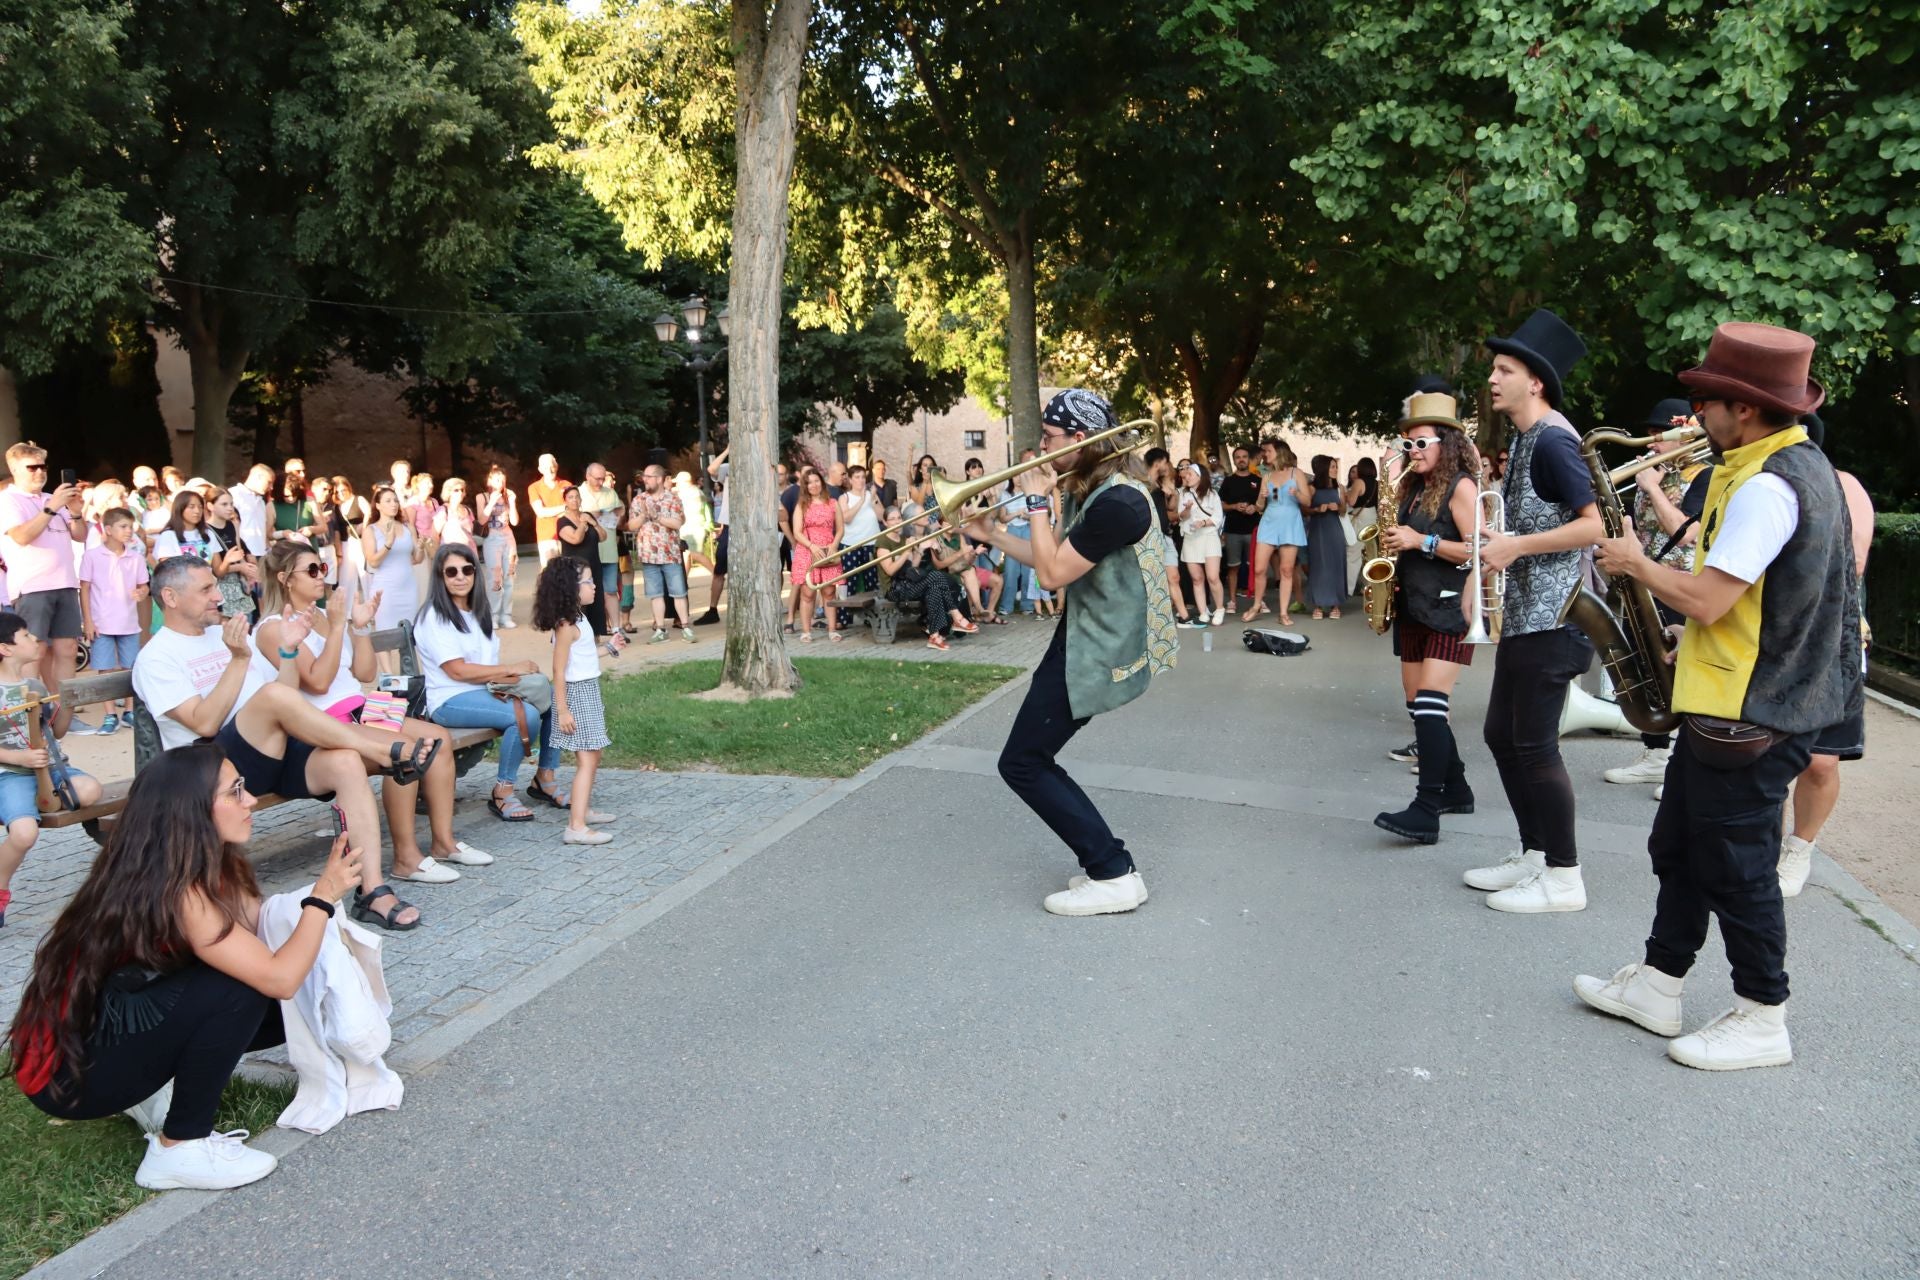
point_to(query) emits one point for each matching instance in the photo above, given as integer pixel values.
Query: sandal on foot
(508, 808)
(537, 792)
(409, 768)
(363, 910)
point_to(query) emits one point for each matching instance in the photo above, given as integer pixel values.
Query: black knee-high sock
(1434, 737)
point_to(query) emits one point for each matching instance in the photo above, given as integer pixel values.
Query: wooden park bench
(469, 745)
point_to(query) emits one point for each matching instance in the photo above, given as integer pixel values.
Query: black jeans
(1716, 849)
(1045, 725)
(1530, 678)
(209, 1020)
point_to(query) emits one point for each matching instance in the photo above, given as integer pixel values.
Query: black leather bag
(1728, 744)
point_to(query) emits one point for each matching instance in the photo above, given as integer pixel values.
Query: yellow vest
(1716, 660)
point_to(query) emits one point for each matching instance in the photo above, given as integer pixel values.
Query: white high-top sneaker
(213, 1163)
(1074, 882)
(1099, 897)
(152, 1113)
(1639, 993)
(1548, 889)
(1650, 767)
(1507, 872)
(1796, 864)
(1750, 1034)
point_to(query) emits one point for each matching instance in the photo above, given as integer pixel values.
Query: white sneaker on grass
(1637, 992)
(1750, 1034)
(1548, 889)
(216, 1162)
(1796, 864)
(1507, 872)
(1099, 897)
(1650, 767)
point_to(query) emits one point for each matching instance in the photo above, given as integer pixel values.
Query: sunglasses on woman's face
(314, 570)
(1420, 444)
(457, 571)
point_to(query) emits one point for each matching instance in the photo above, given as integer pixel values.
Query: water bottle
(1206, 642)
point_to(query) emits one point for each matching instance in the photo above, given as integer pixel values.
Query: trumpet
(1487, 597)
(953, 497)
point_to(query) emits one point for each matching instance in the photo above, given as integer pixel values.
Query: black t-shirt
(588, 548)
(1117, 518)
(1694, 501)
(1239, 488)
(1559, 474)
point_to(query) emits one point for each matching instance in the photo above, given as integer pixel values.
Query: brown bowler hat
(1759, 364)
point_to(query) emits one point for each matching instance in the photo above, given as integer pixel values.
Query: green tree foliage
(1653, 166)
(869, 369)
(70, 257)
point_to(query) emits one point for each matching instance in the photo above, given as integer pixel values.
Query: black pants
(1716, 849)
(1045, 725)
(1530, 678)
(935, 589)
(207, 1020)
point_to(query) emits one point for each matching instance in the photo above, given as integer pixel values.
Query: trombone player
(1770, 656)
(1437, 499)
(1116, 633)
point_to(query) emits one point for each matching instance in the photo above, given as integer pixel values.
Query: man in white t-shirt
(253, 508)
(196, 678)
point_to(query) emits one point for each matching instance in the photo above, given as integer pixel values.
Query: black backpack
(1283, 644)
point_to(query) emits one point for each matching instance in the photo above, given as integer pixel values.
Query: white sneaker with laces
(1548, 889)
(1074, 882)
(152, 1113)
(1796, 864)
(1099, 897)
(216, 1162)
(1507, 872)
(1639, 993)
(686, 633)
(1750, 1034)
(1650, 767)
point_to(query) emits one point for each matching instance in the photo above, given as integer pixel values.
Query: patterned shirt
(1646, 520)
(654, 542)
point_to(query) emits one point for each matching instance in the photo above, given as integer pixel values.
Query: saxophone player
(1770, 657)
(1552, 517)
(1437, 499)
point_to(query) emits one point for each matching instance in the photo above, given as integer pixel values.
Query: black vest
(1430, 589)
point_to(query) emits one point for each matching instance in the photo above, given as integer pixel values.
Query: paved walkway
(854, 1045)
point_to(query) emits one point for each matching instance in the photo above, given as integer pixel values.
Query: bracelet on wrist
(289, 653)
(312, 901)
(361, 631)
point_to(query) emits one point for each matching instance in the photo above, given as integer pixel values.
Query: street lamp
(698, 358)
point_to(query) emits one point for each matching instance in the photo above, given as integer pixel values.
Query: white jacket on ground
(336, 1023)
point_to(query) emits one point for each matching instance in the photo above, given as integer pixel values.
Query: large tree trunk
(1023, 340)
(9, 408)
(769, 47)
(215, 373)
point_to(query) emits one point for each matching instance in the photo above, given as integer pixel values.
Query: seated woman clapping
(911, 575)
(152, 983)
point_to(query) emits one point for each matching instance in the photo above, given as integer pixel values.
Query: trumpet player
(1551, 518)
(1666, 510)
(1438, 499)
(1769, 658)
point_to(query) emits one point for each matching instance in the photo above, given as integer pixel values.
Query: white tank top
(583, 656)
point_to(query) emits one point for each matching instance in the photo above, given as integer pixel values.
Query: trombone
(1487, 597)
(952, 496)
(940, 530)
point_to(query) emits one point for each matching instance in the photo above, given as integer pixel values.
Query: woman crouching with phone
(153, 977)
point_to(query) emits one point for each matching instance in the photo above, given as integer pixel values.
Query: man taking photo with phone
(41, 528)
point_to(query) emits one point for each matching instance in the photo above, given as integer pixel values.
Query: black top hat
(1661, 416)
(1545, 344)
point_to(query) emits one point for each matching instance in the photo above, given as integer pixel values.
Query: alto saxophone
(1376, 575)
(1625, 625)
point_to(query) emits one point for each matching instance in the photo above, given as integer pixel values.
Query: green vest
(1119, 617)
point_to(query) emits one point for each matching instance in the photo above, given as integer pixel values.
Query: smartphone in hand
(339, 818)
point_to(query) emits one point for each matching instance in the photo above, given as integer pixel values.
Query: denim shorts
(668, 580)
(113, 653)
(20, 796)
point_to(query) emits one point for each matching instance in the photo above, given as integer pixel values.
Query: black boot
(1419, 821)
(1456, 796)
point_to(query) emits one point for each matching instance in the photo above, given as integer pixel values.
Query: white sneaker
(1748, 1035)
(152, 1113)
(1639, 993)
(1660, 793)
(1074, 882)
(1650, 767)
(585, 836)
(1508, 872)
(1796, 864)
(686, 633)
(1099, 897)
(1219, 616)
(213, 1163)
(1548, 889)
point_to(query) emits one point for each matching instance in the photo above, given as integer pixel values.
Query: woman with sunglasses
(1437, 502)
(460, 654)
(335, 660)
(152, 983)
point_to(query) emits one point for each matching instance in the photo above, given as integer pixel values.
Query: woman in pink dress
(817, 529)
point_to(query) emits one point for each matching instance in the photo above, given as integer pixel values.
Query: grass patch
(849, 713)
(59, 1183)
